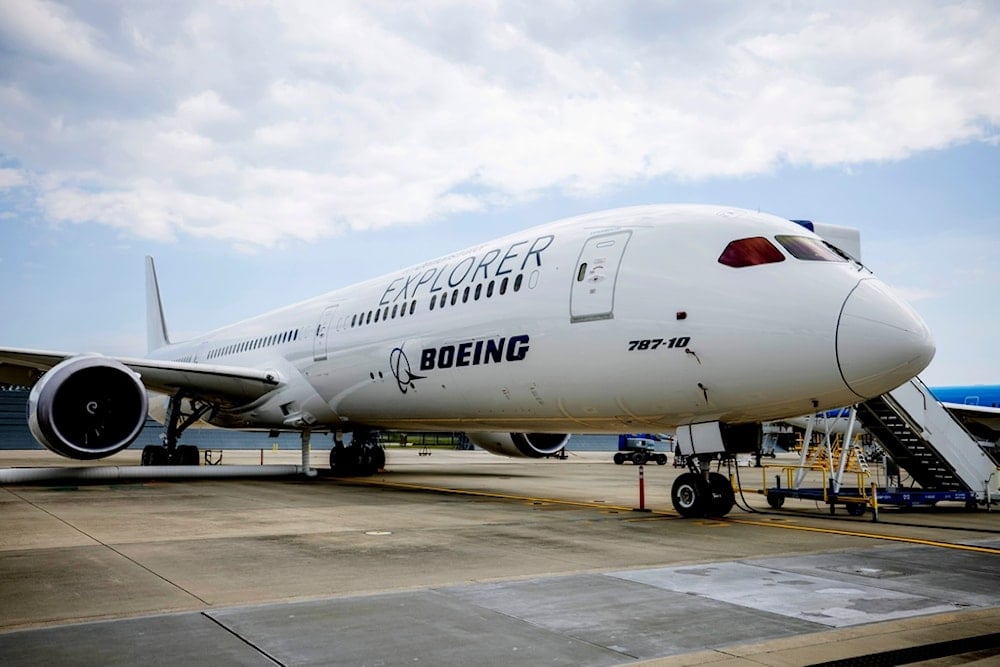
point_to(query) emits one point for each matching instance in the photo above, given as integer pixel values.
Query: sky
(267, 152)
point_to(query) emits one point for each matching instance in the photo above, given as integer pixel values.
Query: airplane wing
(225, 385)
(980, 419)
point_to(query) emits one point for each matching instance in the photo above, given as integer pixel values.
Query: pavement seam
(241, 638)
(112, 549)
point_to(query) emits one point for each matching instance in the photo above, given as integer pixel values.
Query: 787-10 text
(654, 343)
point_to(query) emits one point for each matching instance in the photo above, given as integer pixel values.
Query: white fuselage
(620, 321)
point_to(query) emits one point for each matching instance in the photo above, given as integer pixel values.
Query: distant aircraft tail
(156, 325)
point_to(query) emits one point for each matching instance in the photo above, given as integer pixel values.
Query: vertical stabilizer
(156, 326)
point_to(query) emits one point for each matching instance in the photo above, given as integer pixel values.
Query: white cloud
(257, 123)
(11, 178)
(205, 108)
(50, 31)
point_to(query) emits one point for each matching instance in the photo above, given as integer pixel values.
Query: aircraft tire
(154, 455)
(357, 460)
(688, 495)
(378, 459)
(721, 495)
(340, 461)
(187, 455)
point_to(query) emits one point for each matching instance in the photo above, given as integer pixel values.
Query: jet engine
(529, 445)
(87, 407)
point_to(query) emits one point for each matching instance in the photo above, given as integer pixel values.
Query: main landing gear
(170, 453)
(362, 458)
(700, 493)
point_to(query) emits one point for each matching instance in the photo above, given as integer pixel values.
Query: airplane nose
(881, 341)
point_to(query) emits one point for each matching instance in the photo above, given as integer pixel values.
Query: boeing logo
(399, 365)
(474, 353)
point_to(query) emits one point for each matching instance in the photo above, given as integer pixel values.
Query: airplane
(702, 320)
(976, 406)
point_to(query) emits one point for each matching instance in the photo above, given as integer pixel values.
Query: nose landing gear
(700, 493)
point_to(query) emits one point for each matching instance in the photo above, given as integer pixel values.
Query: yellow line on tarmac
(873, 536)
(670, 515)
(505, 496)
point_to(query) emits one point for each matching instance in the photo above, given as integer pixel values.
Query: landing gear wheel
(154, 455)
(358, 460)
(721, 497)
(687, 495)
(187, 455)
(661, 459)
(619, 458)
(378, 459)
(856, 509)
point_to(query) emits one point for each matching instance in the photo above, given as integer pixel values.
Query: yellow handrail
(789, 473)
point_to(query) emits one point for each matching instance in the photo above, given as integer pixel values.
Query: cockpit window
(750, 252)
(810, 249)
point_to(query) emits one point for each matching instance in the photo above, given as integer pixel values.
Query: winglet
(156, 325)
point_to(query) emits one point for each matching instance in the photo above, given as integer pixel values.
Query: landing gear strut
(362, 458)
(699, 493)
(170, 453)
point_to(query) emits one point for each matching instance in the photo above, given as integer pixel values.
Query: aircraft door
(320, 340)
(593, 293)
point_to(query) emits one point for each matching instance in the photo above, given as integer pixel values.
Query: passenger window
(750, 252)
(810, 249)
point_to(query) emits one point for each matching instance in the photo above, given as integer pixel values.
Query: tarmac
(461, 558)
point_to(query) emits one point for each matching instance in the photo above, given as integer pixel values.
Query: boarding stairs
(928, 442)
(859, 457)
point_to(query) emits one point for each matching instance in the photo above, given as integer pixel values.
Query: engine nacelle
(87, 407)
(530, 445)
